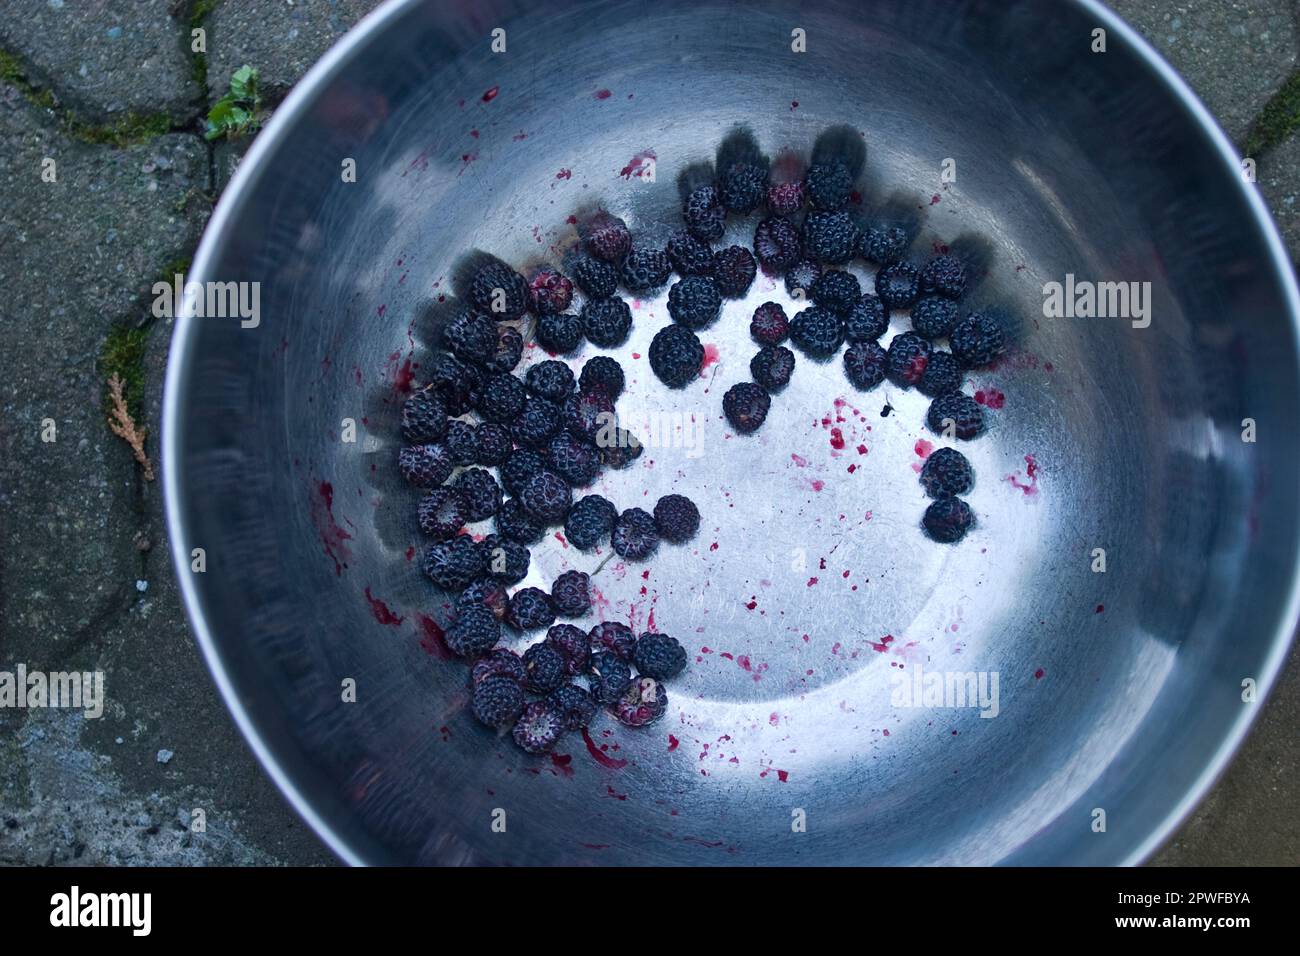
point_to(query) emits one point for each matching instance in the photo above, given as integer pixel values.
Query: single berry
(604, 373)
(622, 450)
(942, 375)
(539, 727)
(644, 702)
(494, 444)
(571, 592)
(575, 704)
(595, 278)
(828, 185)
(908, 356)
(946, 473)
(522, 464)
(499, 292)
(746, 405)
(897, 285)
(456, 382)
(977, 340)
(659, 656)
(546, 496)
(480, 491)
(425, 466)
(588, 415)
(501, 398)
(545, 667)
(530, 609)
(550, 379)
(865, 364)
(441, 513)
(676, 355)
(785, 199)
(962, 411)
(610, 677)
(538, 423)
(676, 518)
(559, 333)
(475, 631)
(769, 326)
(742, 186)
(705, 218)
(689, 256)
(589, 522)
(606, 322)
(817, 332)
(830, 237)
(605, 236)
(461, 442)
(549, 292)
(471, 336)
(777, 244)
(514, 522)
(945, 276)
(772, 367)
(694, 302)
(934, 317)
(505, 560)
(883, 244)
(800, 277)
(867, 320)
(947, 519)
(573, 459)
(613, 638)
(501, 662)
(424, 418)
(497, 702)
(452, 565)
(509, 350)
(491, 594)
(836, 290)
(645, 269)
(573, 644)
(634, 536)
(734, 270)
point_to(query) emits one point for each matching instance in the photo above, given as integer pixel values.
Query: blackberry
(480, 492)
(588, 415)
(830, 237)
(659, 656)
(514, 522)
(501, 398)
(522, 464)
(694, 302)
(908, 356)
(545, 667)
(746, 405)
(800, 277)
(456, 382)
(705, 218)
(596, 278)
(734, 270)
(530, 609)
(624, 449)
(607, 322)
(546, 497)
(605, 236)
(571, 593)
(589, 522)
(425, 466)
(497, 702)
(452, 565)
(560, 333)
(614, 638)
(977, 341)
(644, 702)
(934, 317)
(676, 355)
(867, 320)
(777, 243)
(883, 244)
(772, 367)
(575, 705)
(785, 199)
(946, 473)
(424, 418)
(610, 677)
(836, 290)
(549, 292)
(509, 350)
(475, 631)
(769, 326)
(828, 186)
(573, 644)
(499, 291)
(676, 518)
(602, 373)
(538, 423)
(441, 513)
(942, 375)
(471, 336)
(945, 276)
(501, 663)
(817, 332)
(494, 443)
(506, 561)
(645, 269)
(897, 285)
(965, 414)
(634, 536)
(492, 595)
(461, 442)
(947, 519)
(742, 186)
(689, 256)
(550, 379)
(539, 727)
(577, 462)
(864, 364)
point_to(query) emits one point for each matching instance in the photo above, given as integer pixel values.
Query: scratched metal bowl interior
(810, 589)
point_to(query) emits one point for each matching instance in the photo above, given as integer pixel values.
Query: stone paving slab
(107, 57)
(1278, 178)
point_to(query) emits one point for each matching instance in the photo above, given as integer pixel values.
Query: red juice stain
(774, 719)
(1100, 608)
(751, 604)
(728, 655)
(1038, 674)
(990, 398)
(794, 104)
(611, 792)
(883, 645)
(491, 94)
(559, 536)
(673, 743)
(811, 582)
(474, 133)
(934, 199)
(410, 552)
(743, 662)
(432, 638)
(639, 165)
(602, 758)
(710, 356)
(332, 536)
(783, 775)
(1031, 471)
(602, 94)
(837, 439)
(923, 448)
(565, 174)
(381, 310)
(799, 460)
(816, 484)
(862, 449)
(562, 763)
(714, 546)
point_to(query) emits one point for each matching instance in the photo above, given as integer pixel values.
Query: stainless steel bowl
(1120, 691)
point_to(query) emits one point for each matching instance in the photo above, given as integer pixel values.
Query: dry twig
(124, 427)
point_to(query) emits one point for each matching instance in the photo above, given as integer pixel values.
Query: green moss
(1277, 120)
(199, 11)
(125, 131)
(123, 355)
(12, 72)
